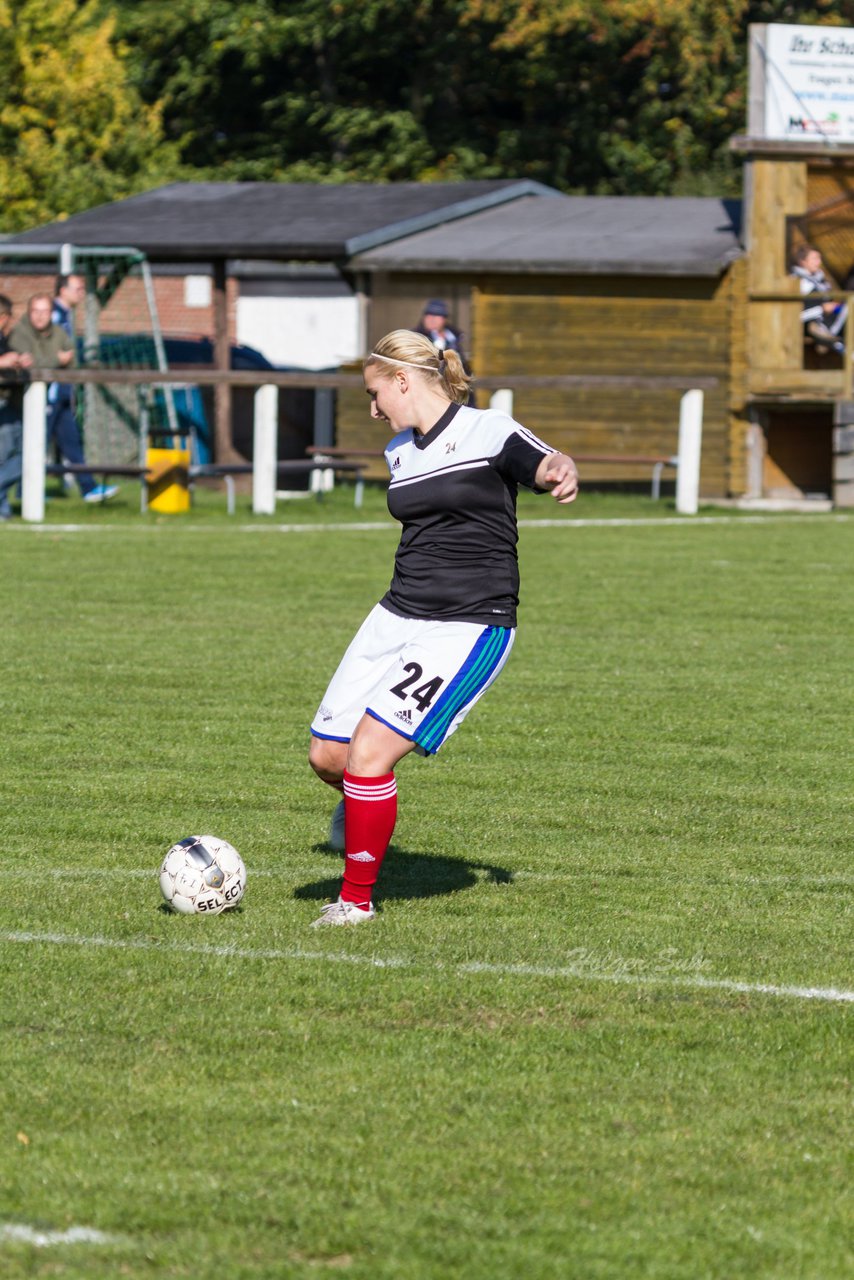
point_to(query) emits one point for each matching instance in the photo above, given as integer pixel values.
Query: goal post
(119, 327)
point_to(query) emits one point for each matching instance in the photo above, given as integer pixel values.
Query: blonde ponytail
(415, 351)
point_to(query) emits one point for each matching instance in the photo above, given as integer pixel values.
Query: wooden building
(271, 254)
(588, 287)
(545, 285)
(794, 394)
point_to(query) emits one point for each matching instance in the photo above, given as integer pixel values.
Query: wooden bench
(334, 451)
(297, 466)
(99, 470)
(658, 461)
(213, 470)
(94, 468)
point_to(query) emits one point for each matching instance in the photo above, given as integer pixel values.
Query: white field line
(617, 971)
(96, 873)
(164, 530)
(21, 1233)
(683, 522)
(200, 948)
(713, 879)
(614, 522)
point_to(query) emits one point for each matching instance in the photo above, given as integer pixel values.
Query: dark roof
(196, 221)
(569, 235)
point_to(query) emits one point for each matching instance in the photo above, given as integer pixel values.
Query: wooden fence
(267, 382)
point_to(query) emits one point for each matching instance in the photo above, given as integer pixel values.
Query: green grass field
(601, 1027)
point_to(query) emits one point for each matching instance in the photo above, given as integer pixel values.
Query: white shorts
(419, 677)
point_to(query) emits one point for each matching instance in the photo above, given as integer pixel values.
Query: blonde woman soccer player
(444, 629)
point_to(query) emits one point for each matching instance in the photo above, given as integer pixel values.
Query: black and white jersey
(454, 492)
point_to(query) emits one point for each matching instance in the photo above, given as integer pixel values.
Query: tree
(622, 96)
(641, 97)
(73, 131)
(316, 89)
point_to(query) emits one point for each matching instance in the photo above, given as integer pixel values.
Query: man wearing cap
(434, 325)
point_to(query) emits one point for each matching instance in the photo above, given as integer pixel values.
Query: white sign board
(301, 333)
(806, 83)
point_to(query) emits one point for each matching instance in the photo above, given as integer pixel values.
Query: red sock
(370, 812)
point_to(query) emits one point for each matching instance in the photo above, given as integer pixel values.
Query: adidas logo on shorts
(405, 716)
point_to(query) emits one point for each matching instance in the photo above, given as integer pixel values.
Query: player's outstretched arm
(558, 474)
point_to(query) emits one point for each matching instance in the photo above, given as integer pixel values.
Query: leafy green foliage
(73, 133)
(644, 96)
(313, 90)
(610, 96)
(102, 98)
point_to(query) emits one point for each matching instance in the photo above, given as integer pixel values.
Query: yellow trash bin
(168, 480)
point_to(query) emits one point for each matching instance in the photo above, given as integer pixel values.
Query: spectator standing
(11, 427)
(434, 325)
(35, 335)
(62, 425)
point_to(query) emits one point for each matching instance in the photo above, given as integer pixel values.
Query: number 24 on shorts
(425, 694)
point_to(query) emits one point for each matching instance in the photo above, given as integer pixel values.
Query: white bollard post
(690, 444)
(502, 402)
(264, 445)
(34, 452)
(756, 447)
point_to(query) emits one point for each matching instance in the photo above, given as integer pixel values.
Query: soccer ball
(203, 875)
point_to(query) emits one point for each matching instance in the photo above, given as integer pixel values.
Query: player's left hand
(558, 474)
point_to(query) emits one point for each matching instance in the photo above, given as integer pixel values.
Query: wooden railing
(308, 379)
(267, 382)
(805, 300)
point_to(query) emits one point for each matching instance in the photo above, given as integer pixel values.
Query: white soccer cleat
(344, 913)
(336, 828)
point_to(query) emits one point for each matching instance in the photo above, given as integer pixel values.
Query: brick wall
(127, 311)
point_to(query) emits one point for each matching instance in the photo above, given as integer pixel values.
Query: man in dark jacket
(434, 325)
(11, 429)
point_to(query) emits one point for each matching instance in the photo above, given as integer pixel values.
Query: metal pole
(224, 450)
(143, 447)
(264, 449)
(848, 376)
(324, 437)
(34, 452)
(324, 418)
(159, 349)
(690, 443)
(92, 328)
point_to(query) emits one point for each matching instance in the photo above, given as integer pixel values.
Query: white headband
(390, 360)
